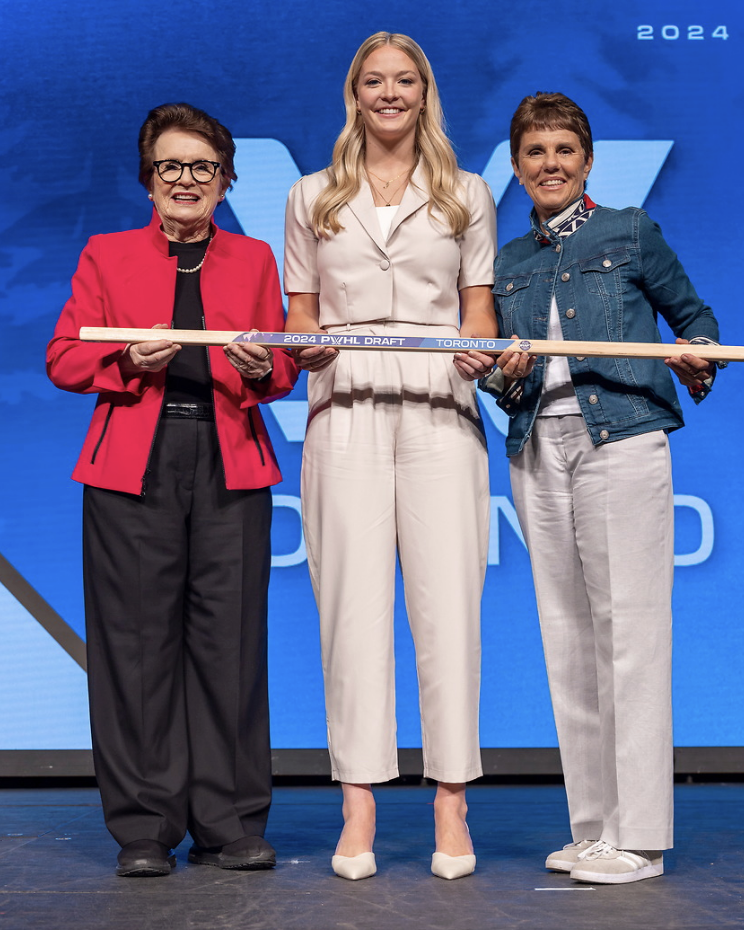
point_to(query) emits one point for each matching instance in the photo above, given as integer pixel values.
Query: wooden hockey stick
(352, 340)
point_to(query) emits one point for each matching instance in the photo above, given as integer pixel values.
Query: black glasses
(171, 170)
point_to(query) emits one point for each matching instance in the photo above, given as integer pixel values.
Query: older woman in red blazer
(177, 466)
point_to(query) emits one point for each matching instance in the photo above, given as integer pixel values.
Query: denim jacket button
(604, 434)
(570, 313)
(606, 263)
(593, 399)
(558, 247)
(565, 276)
(510, 286)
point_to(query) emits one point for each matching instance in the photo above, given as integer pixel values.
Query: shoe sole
(146, 871)
(221, 862)
(621, 878)
(559, 865)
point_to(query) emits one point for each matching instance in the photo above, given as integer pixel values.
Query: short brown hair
(549, 111)
(191, 119)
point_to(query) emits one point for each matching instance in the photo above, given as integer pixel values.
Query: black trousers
(176, 612)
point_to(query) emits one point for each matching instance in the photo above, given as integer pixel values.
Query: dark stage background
(661, 84)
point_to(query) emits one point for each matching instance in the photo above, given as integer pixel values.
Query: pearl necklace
(197, 267)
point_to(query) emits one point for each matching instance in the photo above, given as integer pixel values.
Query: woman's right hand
(142, 357)
(515, 364)
(314, 358)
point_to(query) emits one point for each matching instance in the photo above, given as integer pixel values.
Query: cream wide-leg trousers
(395, 456)
(598, 521)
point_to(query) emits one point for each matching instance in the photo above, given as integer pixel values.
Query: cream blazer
(412, 276)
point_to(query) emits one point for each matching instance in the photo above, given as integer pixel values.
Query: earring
(149, 196)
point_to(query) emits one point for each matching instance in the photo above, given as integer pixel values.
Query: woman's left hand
(250, 360)
(473, 365)
(690, 369)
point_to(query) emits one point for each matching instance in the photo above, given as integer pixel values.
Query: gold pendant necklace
(376, 190)
(386, 184)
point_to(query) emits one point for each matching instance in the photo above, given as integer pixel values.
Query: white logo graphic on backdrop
(623, 174)
(266, 171)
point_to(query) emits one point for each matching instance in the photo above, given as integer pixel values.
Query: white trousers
(598, 522)
(395, 455)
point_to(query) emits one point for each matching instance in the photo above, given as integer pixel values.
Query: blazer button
(606, 263)
(593, 399)
(565, 276)
(384, 264)
(604, 434)
(570, 313)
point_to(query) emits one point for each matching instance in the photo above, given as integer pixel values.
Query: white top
(385, 215)
(414, 274)
(558, 398)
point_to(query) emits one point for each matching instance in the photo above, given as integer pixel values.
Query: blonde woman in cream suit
(395, 454)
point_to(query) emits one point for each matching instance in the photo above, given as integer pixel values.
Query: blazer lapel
(415, 196)
(363, 208)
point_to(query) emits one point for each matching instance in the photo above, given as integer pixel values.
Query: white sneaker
(565, 859)
(603, 864)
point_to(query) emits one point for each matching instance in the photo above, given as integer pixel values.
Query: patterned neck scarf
(565, 223)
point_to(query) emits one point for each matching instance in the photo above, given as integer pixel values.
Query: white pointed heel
(354, 867)
(444, 866)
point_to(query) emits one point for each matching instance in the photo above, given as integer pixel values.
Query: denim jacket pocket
(605, 275)
(510, 292)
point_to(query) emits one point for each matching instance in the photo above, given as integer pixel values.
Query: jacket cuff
(508, 399)
(275, 384)
(707, 341)
(698, 394)
(493, 382)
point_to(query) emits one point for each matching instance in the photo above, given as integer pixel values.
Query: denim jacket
(610, 278)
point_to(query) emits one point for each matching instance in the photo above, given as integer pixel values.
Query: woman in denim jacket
(591, 478)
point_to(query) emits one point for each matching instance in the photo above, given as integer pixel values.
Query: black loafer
(145, 859)
(249, 853)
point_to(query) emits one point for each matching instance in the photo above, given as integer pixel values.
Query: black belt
(189, 411)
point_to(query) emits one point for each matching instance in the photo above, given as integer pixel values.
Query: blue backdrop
(662, 90)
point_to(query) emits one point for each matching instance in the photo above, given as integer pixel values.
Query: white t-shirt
(558, 398)
(386, 215)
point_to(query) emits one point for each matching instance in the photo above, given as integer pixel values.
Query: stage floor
(57, 859)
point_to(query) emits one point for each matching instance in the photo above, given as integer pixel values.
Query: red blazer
(128, 279)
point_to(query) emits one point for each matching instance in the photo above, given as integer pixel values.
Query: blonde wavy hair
(432, 148)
